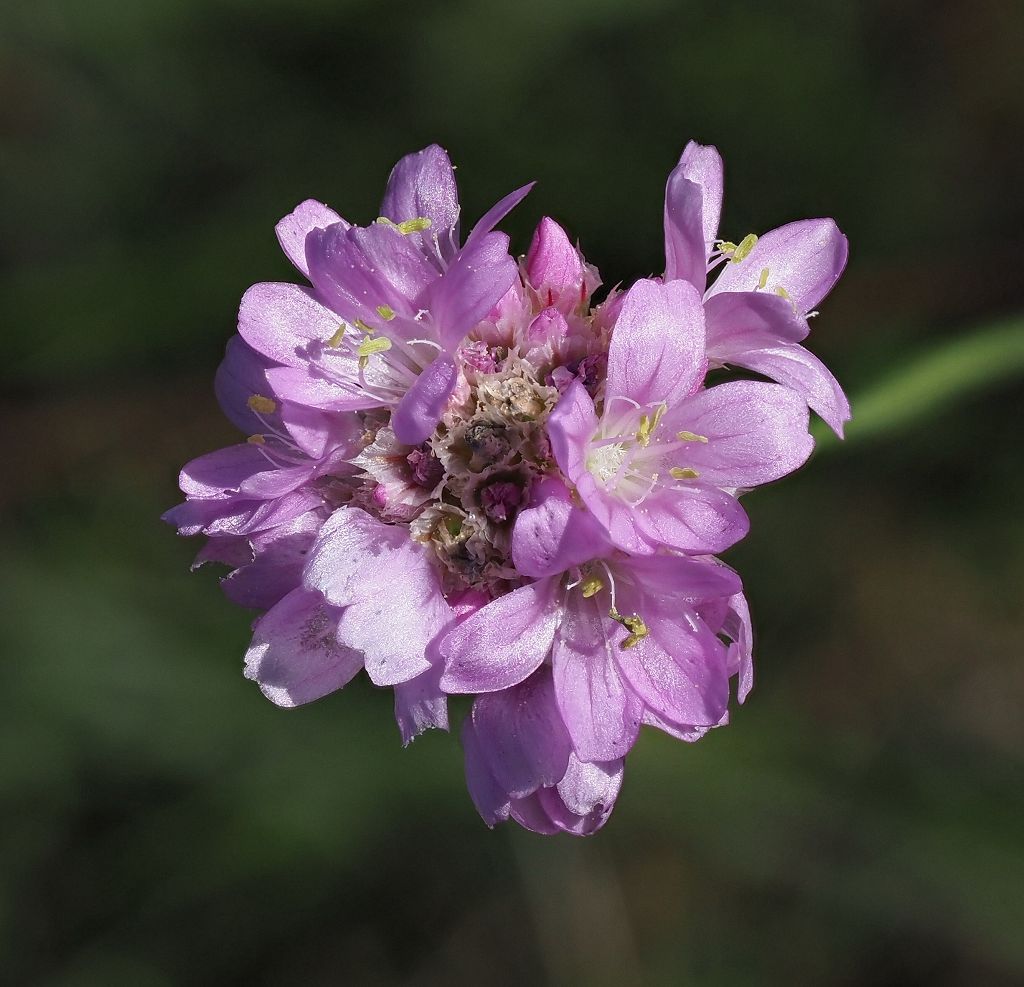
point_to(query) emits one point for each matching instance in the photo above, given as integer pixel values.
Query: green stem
(932, 381)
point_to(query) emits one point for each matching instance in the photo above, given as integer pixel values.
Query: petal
(521, 735)
(294, 656)
(799, 369)
(490, 800)
(586, 788)
(275, 566)
(477, 279)
(684, 732)
(356, 556)
(571, 425)
(357, 270)
(756, 433)
(502, 643)
(221, 472)
(740, 657)
(311, 388)
(281, 320)
(552, 534)
(743, 320)
(694, 518)
(693, 205)
(241, 374)
(694, 580)
(419, 411)
(316, 432)
(657, 347)
(678, 670)
(600, 712)
(554, 266)
(804, 258)
(423, 185)
(498, 212)
(293, 229)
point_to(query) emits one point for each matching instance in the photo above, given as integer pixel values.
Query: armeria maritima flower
(463, 475)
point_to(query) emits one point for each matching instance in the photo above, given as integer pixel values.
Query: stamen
(744, 248)
(256, 440)
(386, 312)
(264, 405)
(683, 473)
(634, 624)
(762, 282)
(368, 347)
(782, 293)
(338, 336)
(691, 437)
(417, 225)
(359, 324)
(648, 424)
(591, 587)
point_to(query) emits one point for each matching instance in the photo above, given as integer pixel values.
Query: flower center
(604, 462)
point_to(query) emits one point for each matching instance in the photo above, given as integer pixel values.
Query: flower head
(462, 475)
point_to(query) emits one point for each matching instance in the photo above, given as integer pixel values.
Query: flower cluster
(466, 476)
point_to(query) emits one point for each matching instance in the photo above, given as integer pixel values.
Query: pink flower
(756, 310)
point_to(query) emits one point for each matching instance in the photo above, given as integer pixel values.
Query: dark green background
(862, 819)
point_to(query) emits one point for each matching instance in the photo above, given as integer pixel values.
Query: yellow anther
(744, 248)
(782, 293)
(369, 346)
(386, 312)
(384, 221)
(262, 405)
(591, 586)
(727, 247)
(417, 225)
(648, 423)
(762, 282)
(338, 336)
(683, 473)
(256, 440)
(634, 624)
(685, 436)
(359, 324)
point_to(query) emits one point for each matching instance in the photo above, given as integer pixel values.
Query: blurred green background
(862, 819)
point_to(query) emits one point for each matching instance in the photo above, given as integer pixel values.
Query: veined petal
(553, 535)
(600, 712)
(755, 433)
(657, 348)
(683, 578)
(221, 472)
(678, 669)
(294, 656)
(308, 387)
(693, 206)
(571, 425)
(241, 374)
(694, 518)
(419, 411)
(422, 185)
(799, 369)
(293, 229)
(805, 259)
(502, 643)
(476, 280)
(359, 269)
(743, 320)
(491, 801)
(281, 320)
(521, 735)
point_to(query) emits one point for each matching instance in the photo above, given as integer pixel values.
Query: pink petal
(743, 320)
(521, 735)
(491, 801)
(799, 369)
(219, 473)
(804, 258)
(756, 433)
(419, 411)
(502, 643)
(695, 518)
(422, 185)
(552, 534)
(280, 320)
(293, 229)
(657, 347)
(600, 712)
(693, 205)
(294, 656)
